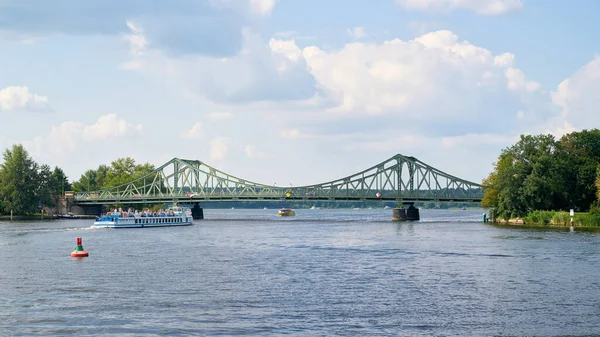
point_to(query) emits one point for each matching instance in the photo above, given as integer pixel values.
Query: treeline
(26, 186)
(541, 173)
(120, 171)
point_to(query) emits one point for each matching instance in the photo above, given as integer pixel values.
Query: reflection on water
(322, 272)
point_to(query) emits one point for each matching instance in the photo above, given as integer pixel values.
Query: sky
(294, 92)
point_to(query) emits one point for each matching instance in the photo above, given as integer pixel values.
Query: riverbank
(559, 228)
(46, 217)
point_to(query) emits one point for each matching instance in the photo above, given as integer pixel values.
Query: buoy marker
(79, 252)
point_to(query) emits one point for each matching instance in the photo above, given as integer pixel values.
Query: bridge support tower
(197, 211)
(403, 214)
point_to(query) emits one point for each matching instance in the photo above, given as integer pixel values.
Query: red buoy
(79, 252)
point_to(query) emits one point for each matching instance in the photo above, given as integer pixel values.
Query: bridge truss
(400, 178)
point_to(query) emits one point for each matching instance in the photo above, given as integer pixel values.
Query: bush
(539, 217)
(595, 207)
(561, 218)
(587, 219)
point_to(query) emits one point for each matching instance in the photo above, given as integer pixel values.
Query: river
(320, 273)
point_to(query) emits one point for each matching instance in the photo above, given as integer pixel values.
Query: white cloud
(504, 60)
(357, 33)
(219, 147)
(262, 7)
(220, 115)
(432, 79)
(292, 134)
(195, 132)
(20, 98)
(67, 137)
(258, 72)
(516, 81)
(464, 141)
(436, 82)
(252, 152)
(110, 127)
(287, 48)
(484, 7)
(578, 98)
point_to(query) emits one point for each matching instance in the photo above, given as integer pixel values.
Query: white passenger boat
(176, 216)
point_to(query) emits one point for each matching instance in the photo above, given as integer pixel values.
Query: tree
(522, 177)
(577, 159)
(59, 184)
(120, 172)
(125, 170)
(62, 182)
(490, 196)
(45, 186)
(19, 177)
(91, 180)
(598, 183)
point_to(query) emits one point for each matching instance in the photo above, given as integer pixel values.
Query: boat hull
(108, 224)
(286, 212)
(141, 222)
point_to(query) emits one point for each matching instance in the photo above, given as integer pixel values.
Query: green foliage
(124, 170)
(91, 180)
(539, 217)
(61, 181)
(595, 207)
(490, 197)
(19, 181)
(598, 182)
(561, 218)
(46, 186)
(587, 219)
(539, 173)
(24, 185)
(520, 181)
(577, 158)
(121, 171)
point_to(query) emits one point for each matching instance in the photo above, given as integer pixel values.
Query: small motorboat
(69, 215)
(286, 212)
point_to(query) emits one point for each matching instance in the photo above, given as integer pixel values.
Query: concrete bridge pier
(403, 214)
(197, 211)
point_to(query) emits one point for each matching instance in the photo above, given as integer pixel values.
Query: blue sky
(294, 92)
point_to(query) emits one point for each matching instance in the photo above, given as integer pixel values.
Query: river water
(320, 273)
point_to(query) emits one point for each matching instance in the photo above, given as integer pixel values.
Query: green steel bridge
(400, 178)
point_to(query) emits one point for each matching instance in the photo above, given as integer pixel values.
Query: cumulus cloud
(260, 72)
(434, 79)
(66, 137)
(21, 99)
(220, 115)
(484, 7)
(110, 126)
(578, 99)
(435, 83)
(178, 27)
(252, 152)
(195, 132)
(357, 33)
(219, 147)
(262, 7)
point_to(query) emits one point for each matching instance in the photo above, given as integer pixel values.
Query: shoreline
(40, 218)
(559, 228)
